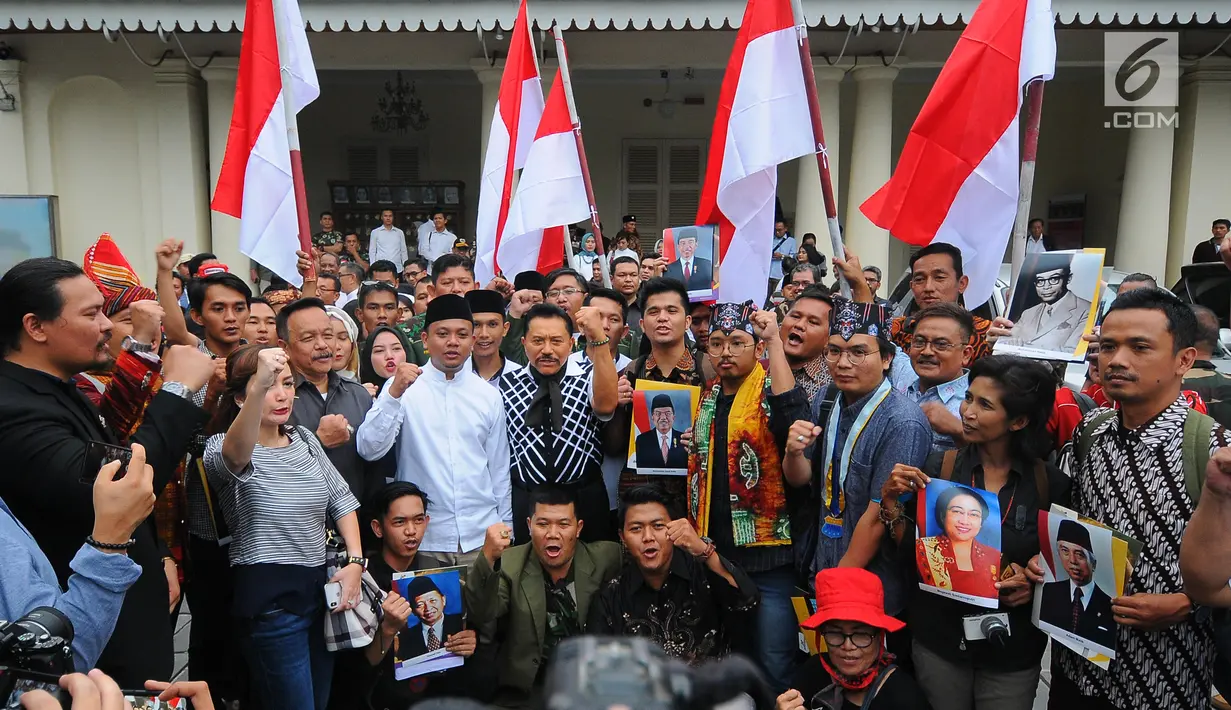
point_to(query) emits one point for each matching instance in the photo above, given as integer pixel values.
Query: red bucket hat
(851, 594)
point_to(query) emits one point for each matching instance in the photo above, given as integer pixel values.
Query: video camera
(35, 651)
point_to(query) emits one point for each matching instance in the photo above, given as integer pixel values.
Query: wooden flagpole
(292, 128)
(818, 132)
(565, 77)
(1030, 151)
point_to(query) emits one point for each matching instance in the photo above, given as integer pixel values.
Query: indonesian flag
(255, 182)
(519, 107)
(551, 193)
(957, 178)
(763, 120)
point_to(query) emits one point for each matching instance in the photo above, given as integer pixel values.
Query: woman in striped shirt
(278, 491)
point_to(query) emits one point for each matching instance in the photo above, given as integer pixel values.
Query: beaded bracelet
(89, 540)
(891, 522)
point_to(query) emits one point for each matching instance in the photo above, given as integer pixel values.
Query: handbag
(355, 627)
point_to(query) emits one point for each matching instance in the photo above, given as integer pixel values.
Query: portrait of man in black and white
(1057, 316)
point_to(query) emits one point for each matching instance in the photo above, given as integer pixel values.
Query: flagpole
(566, 78)
(1030, 151)
(818, 133)
(292, 131)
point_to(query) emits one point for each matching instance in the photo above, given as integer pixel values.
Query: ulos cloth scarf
(754, 469)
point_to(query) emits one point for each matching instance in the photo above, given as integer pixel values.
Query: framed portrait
(406, 196)
(1055, 302)
(688, 253)
(362, 196)
(429, 195)
(384, 195)
(452, 195)
(435, 598)
(1083, 570)
(958, 547)
(341, 194)
(662, 412)
(29, 228)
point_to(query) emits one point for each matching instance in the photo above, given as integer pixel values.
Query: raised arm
(167, 255)
(1205, 553)
(242, 435)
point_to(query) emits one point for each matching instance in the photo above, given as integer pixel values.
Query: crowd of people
(394, 415)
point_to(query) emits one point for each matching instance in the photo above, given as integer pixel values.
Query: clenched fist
(333, 430)
(802, 435)
(590, 322)
(405, 376)
(396, 612)
(190, 366)
(624, 391)
(499, 537)
(168, 253)
(522, 301)
(146, 318)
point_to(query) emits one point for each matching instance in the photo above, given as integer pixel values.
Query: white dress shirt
(438, 627)
(453, 443)
(1034, 246)
(345, 298)
(1087, 590)
(435, 244)
(388, 244)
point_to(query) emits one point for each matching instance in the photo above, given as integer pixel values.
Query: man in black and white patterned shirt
(1131, 478)
(553, 408)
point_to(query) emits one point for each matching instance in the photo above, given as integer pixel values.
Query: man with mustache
(937, 382)
(490, 327)
(52, 327)
(449, 429)
(553, 408)
(540, 592)
(1077, 604)
(936, 277)
(674, 588)
(325, 403)
(1129, 473)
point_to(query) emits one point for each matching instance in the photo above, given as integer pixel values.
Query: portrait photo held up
(1082, 574)
(1055, 302)
(688, 253)
(958, 548)
(435, 597)
(662, 412)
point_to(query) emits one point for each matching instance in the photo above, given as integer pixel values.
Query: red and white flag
(763, 121)
(255, 182)
(519, 107)
(551, 194)
(957, 178)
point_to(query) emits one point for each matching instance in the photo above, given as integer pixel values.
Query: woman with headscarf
(345, 345)
(853, 671)
(587, 255)
(382, 352)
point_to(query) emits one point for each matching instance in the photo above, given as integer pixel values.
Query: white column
(1145, 201)
(809, 204)
(489, 78)
(871, 160)
(183, 166)
(14, 179)
(1202, 153)
(220, 80)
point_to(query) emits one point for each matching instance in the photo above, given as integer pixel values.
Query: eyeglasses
(920, 344)
(1048, 280)
(567, 292)
(834, 355)
(835, 639)
(801, 284)
(737, 348)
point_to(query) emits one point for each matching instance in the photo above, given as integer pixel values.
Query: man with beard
(937, 381)
(868, 430)
(52, 327)
(540, 592)
(1058, 321)
(490, 327)
(449, 429)
(674, 589)
(553, 408)
(326, 403)
(805, 334)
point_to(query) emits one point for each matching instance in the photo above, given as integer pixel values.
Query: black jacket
(650, 455)
(411, 643)
(701, 278)
(1095, 623)
(45, 427)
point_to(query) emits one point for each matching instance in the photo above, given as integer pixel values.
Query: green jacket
(514, 594)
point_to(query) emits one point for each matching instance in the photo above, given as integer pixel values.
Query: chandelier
(399, 109)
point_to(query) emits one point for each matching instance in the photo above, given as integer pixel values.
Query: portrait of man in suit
(427, 603)
(660, 447)
(1077, 604)
(696, 272)
(1058, 321)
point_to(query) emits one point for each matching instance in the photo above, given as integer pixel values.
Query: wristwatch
(179, 389)
(135, 346)
(361, 561)
(709, 549)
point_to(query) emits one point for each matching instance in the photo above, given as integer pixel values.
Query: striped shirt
(278, 506)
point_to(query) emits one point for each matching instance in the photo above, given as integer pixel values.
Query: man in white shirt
(1036, 241)
(387, 242)
(436, 241)
(350, 276)
(449, 426)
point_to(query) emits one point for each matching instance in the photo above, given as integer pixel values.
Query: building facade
(121, 109)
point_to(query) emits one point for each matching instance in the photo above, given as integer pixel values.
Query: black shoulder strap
(877, 685)
(1041, 485)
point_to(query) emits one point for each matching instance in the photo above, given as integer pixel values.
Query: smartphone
(16, 682)
(99, 454)
(333, 595)
(148, 700)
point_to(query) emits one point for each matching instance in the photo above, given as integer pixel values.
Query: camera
(990, 627)
(595, 671)
(35, 651)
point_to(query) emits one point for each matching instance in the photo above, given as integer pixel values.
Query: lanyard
(834, 499)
